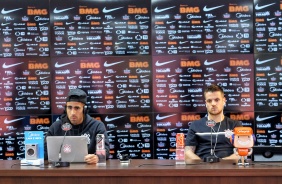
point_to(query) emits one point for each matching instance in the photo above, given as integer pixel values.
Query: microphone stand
(60, 163)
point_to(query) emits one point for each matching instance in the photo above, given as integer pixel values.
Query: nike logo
(82, 43)
(216, 41)
(206, 21)
(270, 74)
(264, 61)
(244, 20)
(16, 45)
(118, 97)
(70, 77)
(169, 22)
(57, 65)
(9, 133)
(157, 10)
(171, 75)
(6, 78)
(106, 64)
(143, 22)
(110, 10)
(62, 10)
(41, 24)
(41, 78)
(171, 129)
(164, 63)
(11, 121)
(270, 19)
(106, 77)
(212, 8)
(265, 118)
(107, 119)
(158, 117)
(143, 76)
(11, 65)
(69, 23)
(19, 98)
(181, 42)
(271, 131)
(263, 6)
(5, 24)
(212, 62)
(207, 75)
(245, 74)
(9, 11)
(107, 22)
(182, 96)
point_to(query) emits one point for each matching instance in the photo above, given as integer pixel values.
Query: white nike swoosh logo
(9, 133)
(169, 22)
(68, 23)
(182, 42)
(106, 77)
(245, 74)
(143, 76)
(158, 117)
(107, 119)
(171, 75)
(106, 64)
(270, 74)
(207, 75)
(16, 45)
(41, 78)
(212, 62)
(118, 97)
(70, 77)
(216, 41)
(270, 19)
(206, 21)
(212, 8)
(110, 10)
(163, 9)
(12, 121)
(271, 131)
(263, 6)
(41, 24)
(182, 96)
(82, 43)
(11, 65)
(9, 11)
(19, 98)
(57, 65)
(5, 24)
(265, 118)
(164, 63)
(264, 61)
(244, 20)
(107, 22)
(62, 10)
(6, 78)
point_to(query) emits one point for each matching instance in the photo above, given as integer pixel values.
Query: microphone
(65, 127)
(212, 158)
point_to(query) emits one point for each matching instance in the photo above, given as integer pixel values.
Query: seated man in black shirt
(198, 141)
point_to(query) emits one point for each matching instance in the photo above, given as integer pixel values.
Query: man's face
(75, 112)
(215, 102)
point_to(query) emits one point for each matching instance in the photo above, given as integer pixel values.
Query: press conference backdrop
(143, 64)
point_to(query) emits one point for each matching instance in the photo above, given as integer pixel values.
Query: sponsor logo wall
(144, 66)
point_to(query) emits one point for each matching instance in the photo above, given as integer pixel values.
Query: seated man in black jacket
(82, 125)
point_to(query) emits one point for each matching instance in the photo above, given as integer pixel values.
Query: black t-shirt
(199, 135)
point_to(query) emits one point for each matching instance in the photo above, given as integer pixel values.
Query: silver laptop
(74, 148)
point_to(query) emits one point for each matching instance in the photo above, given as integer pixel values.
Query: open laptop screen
(74, 148)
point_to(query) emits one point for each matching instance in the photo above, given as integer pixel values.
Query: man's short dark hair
(213, 88)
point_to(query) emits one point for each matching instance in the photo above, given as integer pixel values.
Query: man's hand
(91, 159)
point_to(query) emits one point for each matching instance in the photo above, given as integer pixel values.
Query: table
(142, 171)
